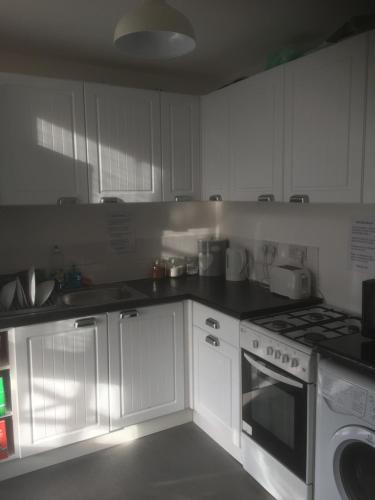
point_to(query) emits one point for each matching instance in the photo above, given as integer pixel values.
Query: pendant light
(155, 30)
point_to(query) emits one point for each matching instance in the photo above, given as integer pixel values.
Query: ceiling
(234, 37)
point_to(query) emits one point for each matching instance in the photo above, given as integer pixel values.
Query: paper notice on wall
(363, 245)
(121, 232)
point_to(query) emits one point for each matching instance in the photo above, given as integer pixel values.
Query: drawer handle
(213, 323)
(82, 323)
(299, 198)
(211, 339)
(129, 314)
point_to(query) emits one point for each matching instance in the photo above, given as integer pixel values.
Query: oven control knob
(255, 344)
(277, 354)
(269, 351)
(285, 358)
(295, 363)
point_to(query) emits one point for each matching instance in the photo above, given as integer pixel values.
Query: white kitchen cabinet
(216, 375)
(369, 172)
(42, 140)
(62, 382)
(146, 363)
(256, 136)
(215, 144)
(180, 135)
(123, 143)
(325, 104)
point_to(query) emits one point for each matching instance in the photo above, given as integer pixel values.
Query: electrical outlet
(264, 248)
(298, 254)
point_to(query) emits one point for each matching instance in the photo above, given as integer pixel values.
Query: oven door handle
(269, 373)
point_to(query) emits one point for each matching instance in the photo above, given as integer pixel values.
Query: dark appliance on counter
(368, 309)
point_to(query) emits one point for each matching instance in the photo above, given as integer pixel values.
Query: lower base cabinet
(146, 363)
(217, 389)
(62, 382)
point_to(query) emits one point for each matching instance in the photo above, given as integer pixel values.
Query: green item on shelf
(282, 56)
(2, 398)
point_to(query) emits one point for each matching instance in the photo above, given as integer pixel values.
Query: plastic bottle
(56, 266)
(74, 278)
(56, 260)
(158, 270)
(2, 398)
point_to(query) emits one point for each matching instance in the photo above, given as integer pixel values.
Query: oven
(275, 409)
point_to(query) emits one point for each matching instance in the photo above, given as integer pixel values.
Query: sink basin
(100, 295)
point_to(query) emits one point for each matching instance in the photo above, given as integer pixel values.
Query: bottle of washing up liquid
(2, 398)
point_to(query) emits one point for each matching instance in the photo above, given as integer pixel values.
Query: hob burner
(314, 336)
(278, 324)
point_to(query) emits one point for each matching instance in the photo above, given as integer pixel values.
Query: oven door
(274, 412)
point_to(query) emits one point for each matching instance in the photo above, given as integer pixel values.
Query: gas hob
(311, 325)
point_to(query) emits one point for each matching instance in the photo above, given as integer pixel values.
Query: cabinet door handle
(299, 198)
(211, 339)
(129, 314)
(213, 323)
(266, 197)
(110, 199)
(82, 323)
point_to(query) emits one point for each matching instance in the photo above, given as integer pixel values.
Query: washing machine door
(354, 463)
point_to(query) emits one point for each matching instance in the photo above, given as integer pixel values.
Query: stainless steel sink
(100, 295)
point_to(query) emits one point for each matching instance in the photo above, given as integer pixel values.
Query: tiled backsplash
(325, 226)
(82, 233)
(265, 253)
(172, 229)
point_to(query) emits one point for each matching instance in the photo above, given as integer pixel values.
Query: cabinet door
(369, 175)
(42, 140)
(325, 98)
(146, 364)
(62, 382)
(256, 136)
(215, 144)
(180, 132)
(123, 143)
(217, 390)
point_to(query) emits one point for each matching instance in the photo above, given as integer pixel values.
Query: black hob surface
(351, 349)
(312, 325)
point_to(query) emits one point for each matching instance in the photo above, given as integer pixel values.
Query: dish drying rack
(51, 302)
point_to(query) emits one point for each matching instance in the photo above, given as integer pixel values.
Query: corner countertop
(354, 350)
(241, 300)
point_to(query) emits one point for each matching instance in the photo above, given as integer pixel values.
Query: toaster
(290, 281)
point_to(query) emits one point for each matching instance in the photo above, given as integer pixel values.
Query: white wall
(28, 233)
(326, 226)
(167, 229)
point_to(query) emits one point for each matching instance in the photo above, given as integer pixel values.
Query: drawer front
(216, 324)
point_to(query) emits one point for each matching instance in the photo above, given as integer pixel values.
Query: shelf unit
(5, 374)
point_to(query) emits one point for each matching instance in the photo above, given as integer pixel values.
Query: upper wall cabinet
(215, 144)
(180, 131)
(123, 143)
(256, 136)
(325, 105)
(369, 175)
(42, 140)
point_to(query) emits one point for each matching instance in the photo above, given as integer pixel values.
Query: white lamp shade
(155, 31)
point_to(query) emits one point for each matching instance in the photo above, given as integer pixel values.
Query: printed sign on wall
(362, 252)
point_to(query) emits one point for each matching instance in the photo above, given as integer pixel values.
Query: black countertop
(354, 350)
(244, 300)
(240, 300)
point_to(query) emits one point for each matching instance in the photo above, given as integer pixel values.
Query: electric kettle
(236, 268)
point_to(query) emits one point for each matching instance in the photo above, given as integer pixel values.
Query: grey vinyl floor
(182, 463)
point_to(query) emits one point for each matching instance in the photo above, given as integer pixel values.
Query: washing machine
(345, 434)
